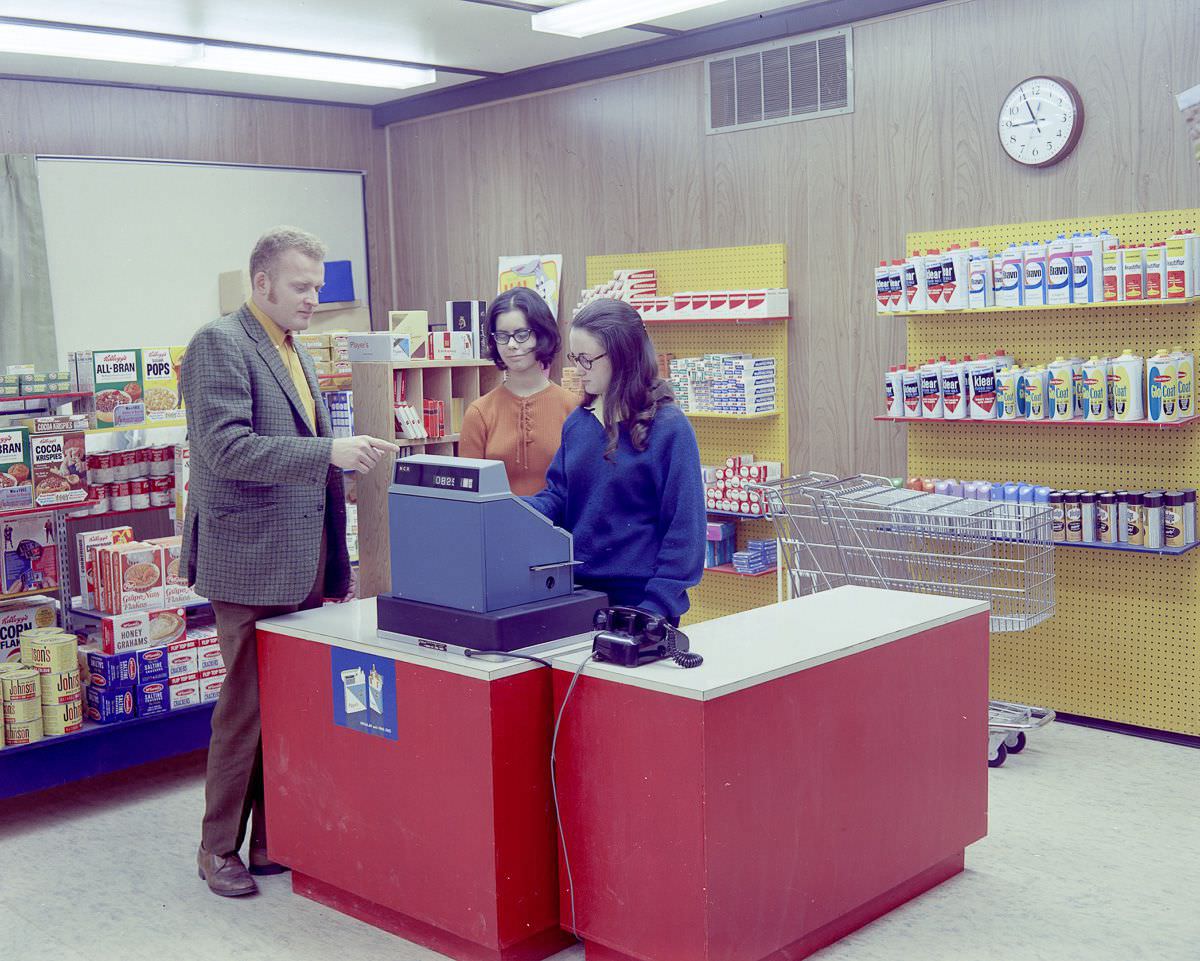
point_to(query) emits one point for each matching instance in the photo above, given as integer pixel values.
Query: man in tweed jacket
(265, 529)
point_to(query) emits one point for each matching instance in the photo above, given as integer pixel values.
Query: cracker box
(210, 685)
(152, 664)
(138, 575)
(208, 656)
(117, 379)
(30, 554)
(110, 670)
(140, 629)
(176, 588)
(59, 464)
(160, 384)
(181, 657)
(19, 616)
(152, 697)
(106, 705)
(85, 544)
(16, 473)
(184, 691)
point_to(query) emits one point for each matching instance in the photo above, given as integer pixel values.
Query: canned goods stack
(133, 479)
(41, 694)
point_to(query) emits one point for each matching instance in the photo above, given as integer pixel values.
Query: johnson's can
(60, 688)
(65, 718)
(33, 634)
(54, 655)
(22, 732)
(22, 695)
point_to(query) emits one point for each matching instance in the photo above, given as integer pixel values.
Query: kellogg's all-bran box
(16, 473)
(118, 387)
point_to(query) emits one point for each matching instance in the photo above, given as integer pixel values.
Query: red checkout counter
(824, 765)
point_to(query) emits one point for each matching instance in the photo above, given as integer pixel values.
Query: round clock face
(1040, 121)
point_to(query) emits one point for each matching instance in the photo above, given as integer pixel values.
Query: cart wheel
(1018, 746)
(1001, 756)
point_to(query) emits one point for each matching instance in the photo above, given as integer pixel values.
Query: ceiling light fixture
(128, 47)
(586, 17)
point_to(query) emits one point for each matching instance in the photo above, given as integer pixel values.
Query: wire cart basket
(863, 531)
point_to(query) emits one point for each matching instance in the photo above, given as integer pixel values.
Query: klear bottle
(931, 389)
(910, 385)
(1133, 272)
(1087, 257)
(981, 292)
(955, 390)
(1114, 285)
(1095, 389)
(1162, 378)
(1033, 290)
(1185, 390)
(883, 288)
(956, 278)
(1062, 396)
(1125, 375)
(1010, 274)
(893, 392)
(915, 296)
(982, 404)
(1156, 272)
(896, 284)
(933, 279)
(1058, 271)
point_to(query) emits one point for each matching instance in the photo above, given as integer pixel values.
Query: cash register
(474, 567)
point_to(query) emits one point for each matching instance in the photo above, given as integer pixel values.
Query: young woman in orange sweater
(520, 422)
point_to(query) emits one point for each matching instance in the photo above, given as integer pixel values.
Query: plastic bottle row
(1152, 519)
(1084, 268)
(1160, 389)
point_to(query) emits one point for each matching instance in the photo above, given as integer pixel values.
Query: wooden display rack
(374, 399)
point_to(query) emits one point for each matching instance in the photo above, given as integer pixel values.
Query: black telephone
(629, 636)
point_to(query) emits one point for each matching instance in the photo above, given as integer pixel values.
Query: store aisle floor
(1092, 856)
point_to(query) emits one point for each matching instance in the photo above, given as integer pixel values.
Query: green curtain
(26, 311)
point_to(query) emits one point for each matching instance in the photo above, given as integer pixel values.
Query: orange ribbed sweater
(524, 432)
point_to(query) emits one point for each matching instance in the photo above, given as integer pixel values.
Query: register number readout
(438, 476)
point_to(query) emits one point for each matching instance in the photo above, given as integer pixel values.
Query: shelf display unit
(1122, 645)
(721, 436)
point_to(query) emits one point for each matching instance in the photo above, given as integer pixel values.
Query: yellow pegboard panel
(722, 268)
(1123, 643)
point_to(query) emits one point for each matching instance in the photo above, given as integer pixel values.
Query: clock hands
(1031, 113)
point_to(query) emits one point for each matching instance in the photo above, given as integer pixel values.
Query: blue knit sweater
(638, 523)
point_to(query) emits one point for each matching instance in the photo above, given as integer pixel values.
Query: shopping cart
(861, 530)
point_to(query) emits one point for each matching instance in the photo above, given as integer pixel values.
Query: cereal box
(57, 423)
(106, 705)
(30, 554)
(160, 384)
(129, 632)
(59, 468)
(118, 387)
(16, 474)
(183, 471)
(85, 543)
(138, 572)
(17, 617)
(176, 587)
(184, 691)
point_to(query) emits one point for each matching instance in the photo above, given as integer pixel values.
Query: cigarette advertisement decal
(364, 693)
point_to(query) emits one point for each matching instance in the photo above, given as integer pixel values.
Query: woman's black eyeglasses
(502, 337)
(584, 361)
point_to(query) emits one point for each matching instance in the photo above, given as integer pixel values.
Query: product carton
(59, 464)
(184, 691)
(413, 324)
(19, 616)
(107, 705)
(210, 685)
(182, 657)
(160, 384)
(153, 697)
(117, 376)
(153, 663)
(467, 317)
(30, 554)
(379, 346)
(183, 473)
(131, 631)
(110, 670)
(452, 345)
(176, 589)
(57, 423)
(85, 544)
(16, 472)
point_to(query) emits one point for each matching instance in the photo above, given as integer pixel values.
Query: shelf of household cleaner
(1019, 421)
(1131, 548)
(1173, 302)
(718, 416)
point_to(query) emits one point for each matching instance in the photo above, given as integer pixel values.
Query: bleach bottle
(1087, 255)
(955, 390)
(1058, 271)
(915, 290)
(983, 390)
(883, 290)
(981, 292)
(956, 278)
(933, 279)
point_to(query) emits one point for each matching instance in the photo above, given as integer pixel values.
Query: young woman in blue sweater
(626, 480)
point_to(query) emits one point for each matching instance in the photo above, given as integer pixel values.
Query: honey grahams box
(138, 629)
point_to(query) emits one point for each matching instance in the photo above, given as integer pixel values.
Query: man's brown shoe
(227, 877)
(261, 864)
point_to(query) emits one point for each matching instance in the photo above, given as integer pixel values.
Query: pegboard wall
(1123, 645)
(722, 268)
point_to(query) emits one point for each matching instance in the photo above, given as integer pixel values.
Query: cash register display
(447, 477)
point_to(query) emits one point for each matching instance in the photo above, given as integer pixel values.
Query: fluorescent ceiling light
(586, 17)
(88, 44)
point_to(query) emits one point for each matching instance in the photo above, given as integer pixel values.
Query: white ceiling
(447, 33)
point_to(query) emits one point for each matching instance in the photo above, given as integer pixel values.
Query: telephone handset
(630, 636)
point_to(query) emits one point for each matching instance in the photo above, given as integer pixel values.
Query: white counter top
(759, 645)
(353, 626)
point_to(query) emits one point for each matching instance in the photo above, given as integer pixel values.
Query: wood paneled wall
(624, 164)
(87, 120)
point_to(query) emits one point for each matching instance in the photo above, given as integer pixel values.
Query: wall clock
(1040, 121)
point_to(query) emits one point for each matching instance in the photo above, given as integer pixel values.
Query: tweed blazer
(262, 489)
